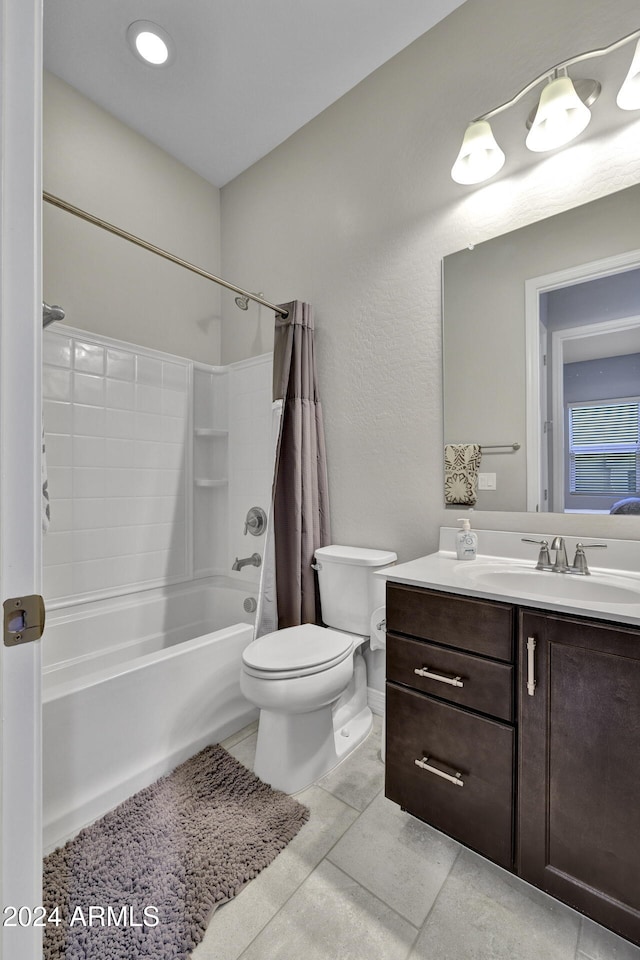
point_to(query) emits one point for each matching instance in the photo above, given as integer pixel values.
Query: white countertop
(443, 571)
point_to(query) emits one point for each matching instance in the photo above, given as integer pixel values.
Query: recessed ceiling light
(150, 43)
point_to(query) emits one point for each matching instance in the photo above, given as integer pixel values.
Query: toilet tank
(349, 593)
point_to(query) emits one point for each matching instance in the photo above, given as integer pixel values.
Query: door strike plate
(23, 619)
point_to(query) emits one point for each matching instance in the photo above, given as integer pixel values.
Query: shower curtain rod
(110, 228)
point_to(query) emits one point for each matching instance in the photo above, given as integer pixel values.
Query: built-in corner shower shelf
(210, 432)
(205, 482)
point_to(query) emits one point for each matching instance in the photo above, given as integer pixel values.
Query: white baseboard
(375, 699)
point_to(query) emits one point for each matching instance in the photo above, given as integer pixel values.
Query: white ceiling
(246, 75)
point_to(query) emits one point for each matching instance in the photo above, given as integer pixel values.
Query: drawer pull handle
(425, 765)
(531, 666)
(426, 672)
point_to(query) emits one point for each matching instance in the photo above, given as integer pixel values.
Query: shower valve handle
(255, 522)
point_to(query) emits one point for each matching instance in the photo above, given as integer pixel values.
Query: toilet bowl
(310, 682)
(297, 685)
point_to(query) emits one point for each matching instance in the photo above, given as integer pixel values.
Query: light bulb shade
(480, 156)
(561, 116)
(629, 94)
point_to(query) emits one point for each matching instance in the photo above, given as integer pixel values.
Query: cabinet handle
(531, 666)
(425, 765)
(426, 672)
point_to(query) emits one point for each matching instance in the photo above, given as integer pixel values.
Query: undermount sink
(523, 581)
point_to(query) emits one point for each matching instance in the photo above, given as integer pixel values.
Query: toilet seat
(296, 652)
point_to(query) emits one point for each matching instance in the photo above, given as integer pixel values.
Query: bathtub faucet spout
(253, 561)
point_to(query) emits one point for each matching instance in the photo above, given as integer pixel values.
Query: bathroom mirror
(541, 354)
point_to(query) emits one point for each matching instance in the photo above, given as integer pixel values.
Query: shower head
(243, 302)
(50, 314)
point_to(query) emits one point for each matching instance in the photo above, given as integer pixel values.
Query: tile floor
(365, 881)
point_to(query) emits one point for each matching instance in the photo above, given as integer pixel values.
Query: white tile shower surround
(117, 421)
(365, 881)
(122, 465)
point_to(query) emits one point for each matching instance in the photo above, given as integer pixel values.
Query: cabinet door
(579, 766)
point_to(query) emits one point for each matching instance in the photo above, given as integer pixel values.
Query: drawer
(479, 626)
(480, 812)
(480, 684)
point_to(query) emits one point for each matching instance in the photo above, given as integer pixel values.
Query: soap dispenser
(466, 541)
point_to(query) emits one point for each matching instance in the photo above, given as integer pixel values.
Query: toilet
(310, 682)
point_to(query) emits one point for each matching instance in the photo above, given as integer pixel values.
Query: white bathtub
(131, 688)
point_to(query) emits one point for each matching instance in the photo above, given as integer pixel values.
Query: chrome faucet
(253, 561)
(561, 564)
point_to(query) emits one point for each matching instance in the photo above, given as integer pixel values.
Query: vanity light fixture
(561, 115)
(480, 156)
(629, 94)
(151, 43)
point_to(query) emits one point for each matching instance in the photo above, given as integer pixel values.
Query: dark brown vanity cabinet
(579, 766)
(450, 747)
(518, 733)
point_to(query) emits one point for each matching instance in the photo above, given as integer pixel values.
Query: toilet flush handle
(316, 566)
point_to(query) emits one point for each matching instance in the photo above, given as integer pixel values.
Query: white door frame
(544, 416)
(534, 288)
(20, 481)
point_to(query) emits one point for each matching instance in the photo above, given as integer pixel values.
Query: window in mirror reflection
(603, 450)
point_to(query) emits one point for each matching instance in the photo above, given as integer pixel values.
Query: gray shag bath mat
(143, 881)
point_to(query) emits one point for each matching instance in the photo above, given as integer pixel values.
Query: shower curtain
(300, 508)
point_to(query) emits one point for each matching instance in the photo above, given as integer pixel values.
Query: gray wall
(105, 284)
(607, 298)
(604, 379)
(354, 214)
